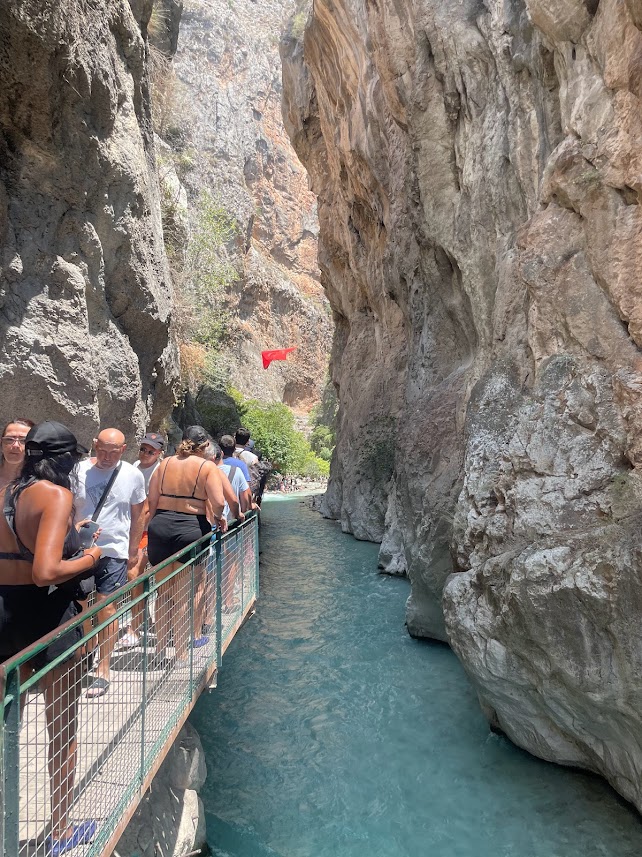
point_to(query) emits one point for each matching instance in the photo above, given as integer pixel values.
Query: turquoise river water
(333, 734)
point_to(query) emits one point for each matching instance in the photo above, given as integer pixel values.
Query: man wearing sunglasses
(150, 453)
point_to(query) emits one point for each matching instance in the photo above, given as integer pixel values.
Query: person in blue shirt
(228, 445)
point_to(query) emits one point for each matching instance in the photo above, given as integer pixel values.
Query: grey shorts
(110, 574)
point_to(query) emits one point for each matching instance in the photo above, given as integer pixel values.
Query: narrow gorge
(471, 171)
(478, 167)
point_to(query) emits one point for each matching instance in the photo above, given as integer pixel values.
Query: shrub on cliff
(273, 431)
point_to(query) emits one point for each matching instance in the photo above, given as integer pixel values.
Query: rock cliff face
(478, 167)
(84, 286)
(229, 70)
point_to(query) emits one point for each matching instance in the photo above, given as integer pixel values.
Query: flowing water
(333, 734)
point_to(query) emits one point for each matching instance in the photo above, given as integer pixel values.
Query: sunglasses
(147, 451)
(9, 440)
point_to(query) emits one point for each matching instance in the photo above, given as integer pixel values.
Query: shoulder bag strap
(103, 497)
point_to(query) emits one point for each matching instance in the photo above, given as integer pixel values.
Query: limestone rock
(170, 820)
(85, 296)
(478, 170)
(228, 71)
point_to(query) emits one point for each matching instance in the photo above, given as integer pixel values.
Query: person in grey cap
(150, 453)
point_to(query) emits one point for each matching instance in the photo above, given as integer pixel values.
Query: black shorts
(170, 532)
(29, 612)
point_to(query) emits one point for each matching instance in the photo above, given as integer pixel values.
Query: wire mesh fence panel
(77, 753)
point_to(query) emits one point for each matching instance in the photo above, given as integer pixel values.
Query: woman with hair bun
(185, 491)
(41, 565)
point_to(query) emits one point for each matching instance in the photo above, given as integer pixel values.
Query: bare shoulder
(48, 494)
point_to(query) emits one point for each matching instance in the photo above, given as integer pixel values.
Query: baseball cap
(50, 438)
(156, 441)
(196, 434)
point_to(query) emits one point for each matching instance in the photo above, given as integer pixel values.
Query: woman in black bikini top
(191, 496)
(183, 493)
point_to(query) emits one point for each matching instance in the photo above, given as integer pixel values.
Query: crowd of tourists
(76, 524)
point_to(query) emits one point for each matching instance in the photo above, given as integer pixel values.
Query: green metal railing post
(242, 564)
(146, 590)
(256, 555)
(192, 613)
(219, 602)
(11, 764)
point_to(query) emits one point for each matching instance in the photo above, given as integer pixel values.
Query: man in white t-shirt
(149, 456)
(121, 525)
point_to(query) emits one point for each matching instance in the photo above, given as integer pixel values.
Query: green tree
(273, 431)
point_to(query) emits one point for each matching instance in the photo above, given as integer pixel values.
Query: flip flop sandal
(81, 834)
(200, 641)
(98, 687)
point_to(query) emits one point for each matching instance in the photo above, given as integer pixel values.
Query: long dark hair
(53, 468)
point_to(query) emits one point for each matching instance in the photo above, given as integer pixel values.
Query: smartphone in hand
(86, 533)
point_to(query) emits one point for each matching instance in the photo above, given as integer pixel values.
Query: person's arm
(214, 492)
(135, 531)
(154, 491)
(50, 514)
(245, 493)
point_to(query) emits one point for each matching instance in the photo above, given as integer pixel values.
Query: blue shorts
(110, 574)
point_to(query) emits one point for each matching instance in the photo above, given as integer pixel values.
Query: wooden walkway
(113, 737)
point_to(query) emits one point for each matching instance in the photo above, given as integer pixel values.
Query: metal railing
(82, 764)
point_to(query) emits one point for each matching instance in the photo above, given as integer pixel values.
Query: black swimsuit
(27, 611)
(170, 531)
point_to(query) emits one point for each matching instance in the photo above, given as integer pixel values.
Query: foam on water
(333, 734)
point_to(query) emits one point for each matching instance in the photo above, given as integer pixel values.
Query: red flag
(276, 354)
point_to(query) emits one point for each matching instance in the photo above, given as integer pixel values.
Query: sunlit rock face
(84, 287)
(229, 75)
(479, 169)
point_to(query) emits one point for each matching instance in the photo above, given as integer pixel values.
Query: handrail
(210, 585)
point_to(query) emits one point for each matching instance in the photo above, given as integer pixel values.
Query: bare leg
(107, 637)
(164, 607)
(229, 575)
(61, 688)
(180, 614)
(200, 598)
(137, 609)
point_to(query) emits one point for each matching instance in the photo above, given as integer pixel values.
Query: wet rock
(170, 820)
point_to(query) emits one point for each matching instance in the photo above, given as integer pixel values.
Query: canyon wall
(478, 167)
(228, 109)
(85, 294)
